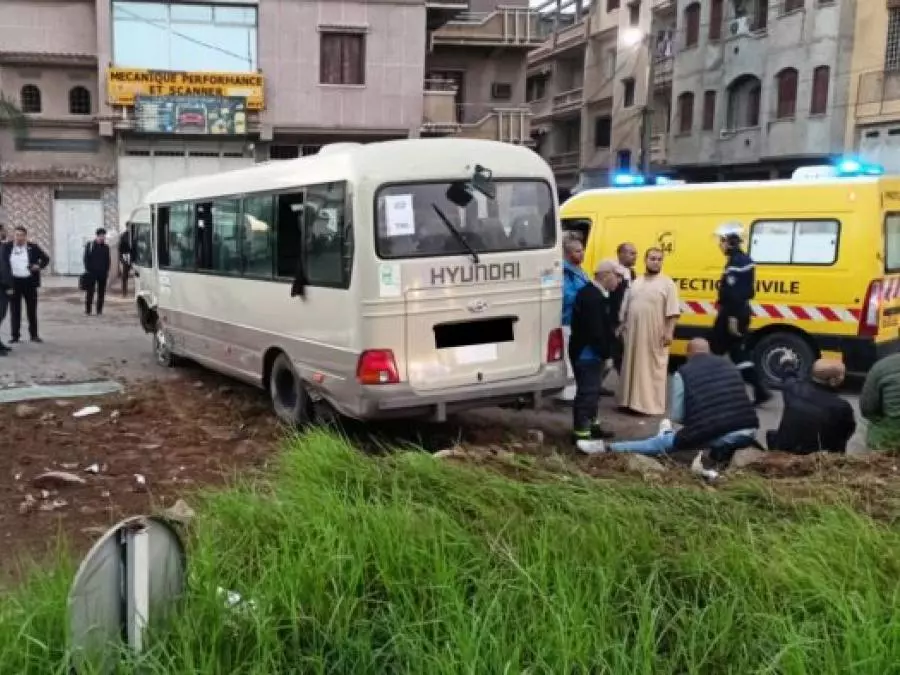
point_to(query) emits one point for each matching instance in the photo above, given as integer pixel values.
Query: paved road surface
(79, 347)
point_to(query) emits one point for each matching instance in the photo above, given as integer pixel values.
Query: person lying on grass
(708, 398)
(815, 417)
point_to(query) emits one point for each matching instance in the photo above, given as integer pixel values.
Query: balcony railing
(662, 71)
(568, 100)
(506, 26)
(565, 161)
(659, 145)
(878, 93)
(560, 41)
(443, 116)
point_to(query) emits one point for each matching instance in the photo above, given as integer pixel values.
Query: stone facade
(30, 206)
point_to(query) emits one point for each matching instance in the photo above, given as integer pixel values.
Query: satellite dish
(134, 574)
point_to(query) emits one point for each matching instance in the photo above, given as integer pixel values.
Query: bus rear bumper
(401, 400)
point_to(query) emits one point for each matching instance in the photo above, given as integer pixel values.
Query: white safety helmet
(730, 230)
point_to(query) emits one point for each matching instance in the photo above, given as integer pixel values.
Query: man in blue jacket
(574, 279)
(736, 289)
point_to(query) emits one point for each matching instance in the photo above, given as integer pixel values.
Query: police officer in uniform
(736, 290)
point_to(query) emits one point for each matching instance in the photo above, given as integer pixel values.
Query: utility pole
(647, 113)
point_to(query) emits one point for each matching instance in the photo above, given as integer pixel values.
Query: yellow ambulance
(826, 247)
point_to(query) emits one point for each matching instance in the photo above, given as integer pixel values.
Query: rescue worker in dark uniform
(736, 289)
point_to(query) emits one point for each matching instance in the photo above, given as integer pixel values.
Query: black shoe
(606, 392)
(14, 341)
(36, 339)
(87, 312)
(4, 350)
(598, 433)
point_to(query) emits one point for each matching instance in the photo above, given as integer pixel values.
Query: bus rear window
(410, 220)
(892, 243)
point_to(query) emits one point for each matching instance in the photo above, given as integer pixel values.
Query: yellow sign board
(123, 84)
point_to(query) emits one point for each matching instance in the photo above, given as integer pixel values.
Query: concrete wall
(50, 27)
(804, 39)
(482, 69)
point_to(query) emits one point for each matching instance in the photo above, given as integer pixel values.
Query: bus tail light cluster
(377, 366)
(555, 345)
(868, 319)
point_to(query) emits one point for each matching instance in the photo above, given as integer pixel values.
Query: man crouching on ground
(591, 349)
(708, 398)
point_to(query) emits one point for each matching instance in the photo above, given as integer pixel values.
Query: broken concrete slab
(39, 392)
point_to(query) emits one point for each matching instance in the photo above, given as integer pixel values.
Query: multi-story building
(594, 110)
(759, 87)
(122, 95)
(873, 120)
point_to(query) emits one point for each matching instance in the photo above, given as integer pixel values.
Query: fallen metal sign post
(135, 573)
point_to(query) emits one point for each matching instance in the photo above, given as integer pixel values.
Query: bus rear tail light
(377, 366)
(868, 320)
(555, 345)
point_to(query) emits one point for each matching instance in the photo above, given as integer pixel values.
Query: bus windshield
(410, 221)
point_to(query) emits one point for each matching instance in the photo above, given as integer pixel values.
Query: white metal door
(74, 223)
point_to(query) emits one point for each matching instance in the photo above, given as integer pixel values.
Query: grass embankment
(414, 565)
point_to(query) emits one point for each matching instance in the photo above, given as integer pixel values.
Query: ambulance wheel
(290, 400)
(771, 348)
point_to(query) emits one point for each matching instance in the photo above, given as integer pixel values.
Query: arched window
(716, 19)
(691, 24)
(79, 101)
(786, 85)
(685, 112)
(30, 99)
(743, 102)
(818, 103)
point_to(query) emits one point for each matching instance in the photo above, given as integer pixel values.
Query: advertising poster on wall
(199, 115)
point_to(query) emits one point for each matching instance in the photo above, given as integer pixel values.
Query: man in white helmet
(736, 290)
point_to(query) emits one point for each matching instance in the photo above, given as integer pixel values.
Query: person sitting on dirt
(815, 417)
(708, 398)
(879, 403)
(590, 349)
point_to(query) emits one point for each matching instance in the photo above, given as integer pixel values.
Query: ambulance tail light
(377, 366)
(555, 345)
(868, 320)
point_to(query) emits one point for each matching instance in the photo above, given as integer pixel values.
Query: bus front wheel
(162, 349)
(290, 400)
(771, 348)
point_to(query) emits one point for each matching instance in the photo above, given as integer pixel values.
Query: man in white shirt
(26, 260)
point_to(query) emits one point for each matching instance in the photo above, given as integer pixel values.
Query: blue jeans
(664, 443)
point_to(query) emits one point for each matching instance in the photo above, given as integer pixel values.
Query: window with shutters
(342, 58)
(709, 110)
(691, 25)
(818, 104)
(79, 101)
(628, 92)
(786, 82)
(892, 44)
(716, 19)
(685, 112)
(30, 99)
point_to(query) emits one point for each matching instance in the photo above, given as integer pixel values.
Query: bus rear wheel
(290, 401)
(769, 351)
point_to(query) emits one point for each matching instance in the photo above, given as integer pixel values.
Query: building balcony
(659, 145)
(565, 162)
(559, 42)
(504, 27)
(443, 116)
(878, 96)
(542, 107)
(662, 71)
(568, 102)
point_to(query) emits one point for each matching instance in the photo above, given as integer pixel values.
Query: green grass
(408, 564)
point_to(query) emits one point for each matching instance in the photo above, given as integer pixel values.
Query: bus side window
(579, 227)
(162, 236)
(288, 234)
(325, 236)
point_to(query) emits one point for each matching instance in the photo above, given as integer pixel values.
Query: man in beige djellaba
(648, 317)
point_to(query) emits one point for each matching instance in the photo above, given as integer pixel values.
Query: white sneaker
(591, 447)
(665, 425)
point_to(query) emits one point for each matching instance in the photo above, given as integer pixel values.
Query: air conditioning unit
(739, 26)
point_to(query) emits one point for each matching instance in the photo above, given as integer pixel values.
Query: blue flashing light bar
(849, 166)
(626, 179)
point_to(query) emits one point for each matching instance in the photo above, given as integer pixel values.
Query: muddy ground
(172, 432)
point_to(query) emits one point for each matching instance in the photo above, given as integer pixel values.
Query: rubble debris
(56, 479)
(86, 411)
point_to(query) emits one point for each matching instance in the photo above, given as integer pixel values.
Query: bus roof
(389, 161)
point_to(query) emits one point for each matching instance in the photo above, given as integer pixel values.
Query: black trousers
(724, 342)
(4, 303)
(126, 270)
(95, 285)
(588, 385)
(24, 289)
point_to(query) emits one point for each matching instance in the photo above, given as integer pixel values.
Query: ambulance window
(892, 243)
(789, 242)
(580, 227)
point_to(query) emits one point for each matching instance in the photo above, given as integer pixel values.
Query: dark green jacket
(880, 396)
